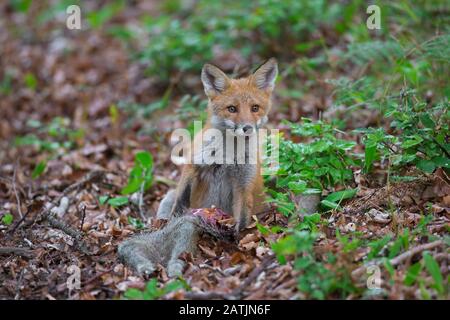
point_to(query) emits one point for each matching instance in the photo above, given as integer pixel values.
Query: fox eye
(255, 108)
(232, 109)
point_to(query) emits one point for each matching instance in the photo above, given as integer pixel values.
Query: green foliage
(310, 222)
(317, 279)
(311, 167)
(189, 35)
(323, 162)
(152, 291)
(421, 134)
(333, 200)
(102, 199)
(137, 223)
(377, 246)
(433, 269)
(30, 81)
(192, 108)
(54, 9)
(431, 265)
(141, 175)
(58, 135)
(347, 244)
(401, 243)
(7, 219)
(98, 18)
(39, 169)
(412, 273)
(6, 84)
(136, 111)
(20, 5)
(185, 49)
(118, 201)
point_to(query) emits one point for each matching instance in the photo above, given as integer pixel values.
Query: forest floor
(80, 76)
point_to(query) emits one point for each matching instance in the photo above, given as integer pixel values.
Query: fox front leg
(242, 204)
(182, 199)
(166, 205)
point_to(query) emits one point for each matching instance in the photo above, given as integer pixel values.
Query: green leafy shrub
(321, 163)
(264, 27)
(419, 136)
(58, 135)
(141, 175)
(317, 279)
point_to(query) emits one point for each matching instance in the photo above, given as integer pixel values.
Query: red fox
(239, 106)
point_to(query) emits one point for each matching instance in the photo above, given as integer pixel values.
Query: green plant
(20, 5)
(318, 279)
(264, 27)
(136, 111)
(7, 219)
(321, 163)
(39, 169)
(420, 136)
(137, 223)
(152, 292)
(434, 270)
(56, 135)
(141, 175)
(117, 201)
(192, 108)
(6, 84)
(98, 18)
(30, 81)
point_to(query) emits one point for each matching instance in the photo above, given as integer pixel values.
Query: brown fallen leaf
(209, 252)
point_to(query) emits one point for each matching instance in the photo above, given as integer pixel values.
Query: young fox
(239, 106)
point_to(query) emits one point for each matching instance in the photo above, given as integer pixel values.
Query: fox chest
(213, 185)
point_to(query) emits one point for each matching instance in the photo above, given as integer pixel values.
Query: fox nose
(247, 129)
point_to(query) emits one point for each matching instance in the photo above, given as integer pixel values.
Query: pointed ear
(214, 80)
(264, 77)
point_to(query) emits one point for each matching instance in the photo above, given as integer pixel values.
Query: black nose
(247, 128)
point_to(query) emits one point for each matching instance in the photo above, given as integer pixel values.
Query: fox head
(240, 105)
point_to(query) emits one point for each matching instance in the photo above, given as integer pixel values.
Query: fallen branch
(400, 258)
(49, 214)
(413, 251)
(5, 251)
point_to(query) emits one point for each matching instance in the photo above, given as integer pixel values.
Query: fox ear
(264, 77)
(214, 80)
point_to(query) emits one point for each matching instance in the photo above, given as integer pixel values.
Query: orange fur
(243, 94)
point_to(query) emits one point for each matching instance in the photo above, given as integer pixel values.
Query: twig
(95, 277)
(402, 257)
(19, 205)
(91, 176)
(413, 251)
(48, 215)
(215, 269)
(19, 284)
(5, 251)
(83, 209)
